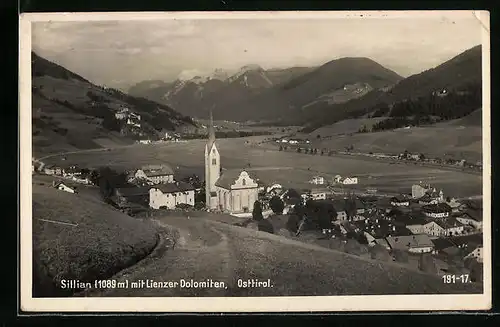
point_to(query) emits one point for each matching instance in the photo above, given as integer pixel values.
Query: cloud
(160, 49)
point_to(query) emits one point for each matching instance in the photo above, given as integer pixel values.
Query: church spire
(211, 132)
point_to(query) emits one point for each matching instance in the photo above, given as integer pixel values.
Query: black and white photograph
(255, 161)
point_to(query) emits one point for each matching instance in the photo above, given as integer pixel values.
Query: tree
(281, 148)
(426, 264)
(318, 136)
(276, 205)
(293, 194)
(421, 157)
(299, 150)
(257, 211)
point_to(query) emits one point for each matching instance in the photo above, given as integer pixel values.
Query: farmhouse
(337, 179)
(156, 174)
(170, 195)
(399, 201)
(340, 208)
(274, 189)
(350, 181)
(52, 170)
(439, 210)
(471, 218)
(319, 193)
(317, 180)
(477, 254)
(420, 243)
(63, 187)
(450, 226)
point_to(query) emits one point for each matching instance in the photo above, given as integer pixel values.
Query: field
(79, 237)
(289, 168)
(459, 139)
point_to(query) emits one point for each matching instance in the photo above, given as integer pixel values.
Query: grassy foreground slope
(85, 240)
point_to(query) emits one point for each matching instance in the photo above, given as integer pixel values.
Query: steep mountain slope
(70, 113)
(459, 75)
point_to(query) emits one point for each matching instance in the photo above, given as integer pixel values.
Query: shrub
(257, 211)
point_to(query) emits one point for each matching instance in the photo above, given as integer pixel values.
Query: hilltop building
(233, 191)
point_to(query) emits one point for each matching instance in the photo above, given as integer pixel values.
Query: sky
(120, 53)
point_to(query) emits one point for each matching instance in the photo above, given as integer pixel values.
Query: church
(234, 191)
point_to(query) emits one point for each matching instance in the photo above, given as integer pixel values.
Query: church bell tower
(212, 168)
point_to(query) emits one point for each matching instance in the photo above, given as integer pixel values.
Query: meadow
(81, 238)
(270, 165)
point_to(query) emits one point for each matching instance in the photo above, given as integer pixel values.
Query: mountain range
(315, 96)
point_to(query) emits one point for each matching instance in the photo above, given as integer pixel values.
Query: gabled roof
(442, 243)
(174, 187)
(449, 223)
(473, 214)
(132, 191)
(230, 176)
(437, 208)
(410, 241)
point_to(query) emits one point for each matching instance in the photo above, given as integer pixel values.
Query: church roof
(229, 177)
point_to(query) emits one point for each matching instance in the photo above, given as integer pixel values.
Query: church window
(244, 182)
(214, 161)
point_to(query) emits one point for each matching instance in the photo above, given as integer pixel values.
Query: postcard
(255, 161)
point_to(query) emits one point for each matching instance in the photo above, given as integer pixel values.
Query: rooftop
(410, 241)
(230, 176)
(157, 170)
(437, 208)
(132, 191)
(174, 187)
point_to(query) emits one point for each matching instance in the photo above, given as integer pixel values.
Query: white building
(156, 174)
(317, 180)
(438, 210)
(350, 181)
(235, 191)
(170, 195)
(472, 220)
(318, 194)
(477, 254)
(399, 201)
(63, 187)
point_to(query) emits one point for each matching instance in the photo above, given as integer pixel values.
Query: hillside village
(423, 229)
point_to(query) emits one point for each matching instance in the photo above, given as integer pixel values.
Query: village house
(122, 114)
(443, 246)
(337, 179)
(420, 243)
(274, 189)
(471, 218)
(317, 180)
(439, 210)
(63, 187)
(156, 174)
(476, 253)
(399, 201)
(350, 181)
(52, 170)
(340, 209)
(318, 193)
(170, 195)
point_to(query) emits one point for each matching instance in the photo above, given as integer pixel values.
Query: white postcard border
(238, 304)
